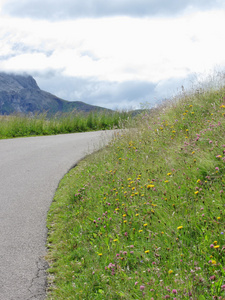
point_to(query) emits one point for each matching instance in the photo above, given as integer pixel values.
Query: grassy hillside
(145, 217)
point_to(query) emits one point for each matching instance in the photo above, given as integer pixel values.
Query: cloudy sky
(116, 54)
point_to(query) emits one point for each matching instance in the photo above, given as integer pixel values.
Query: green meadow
(19, 125)
(144, 218)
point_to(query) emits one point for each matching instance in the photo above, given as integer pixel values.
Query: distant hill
(21, 94)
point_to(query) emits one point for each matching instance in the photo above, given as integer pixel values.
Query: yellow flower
(213, 262)
(145, 224)
(115, 240)
(124, 215)
(166, 181)
(217, 246)
(147, 251)
(180, 227)
(140, 230)
(100, 254)
(218, 218)
(150, 186)
(196, 192)
(170, 271)
(169, 174)
(137, 215)
(215, 242)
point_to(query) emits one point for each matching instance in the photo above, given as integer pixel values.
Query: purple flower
(136, 283)
(216, 168)
(211, 246)
(142, 287)
(174, 291)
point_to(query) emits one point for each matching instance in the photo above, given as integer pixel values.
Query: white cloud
(117, 50)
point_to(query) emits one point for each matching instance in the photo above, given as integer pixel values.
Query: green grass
(145, 217)
(23, 125)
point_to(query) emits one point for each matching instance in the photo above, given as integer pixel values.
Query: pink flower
(211, 246)
(210, 142)
(136, 283)
(142, 287)
(174, 291)
(216, 168)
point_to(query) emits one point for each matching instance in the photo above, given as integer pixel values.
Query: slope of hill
(21, 94)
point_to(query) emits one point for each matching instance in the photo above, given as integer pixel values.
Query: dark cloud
(114, 95)
(69, 9)
(126, 95)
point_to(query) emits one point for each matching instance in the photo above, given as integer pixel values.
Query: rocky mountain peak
(14, 82)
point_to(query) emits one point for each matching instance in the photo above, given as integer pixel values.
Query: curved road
(30, 170)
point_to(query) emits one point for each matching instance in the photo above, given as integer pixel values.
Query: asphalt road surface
(30, 170)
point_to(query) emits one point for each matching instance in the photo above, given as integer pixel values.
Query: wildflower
(115, 240)
(145, 224)
(196, 192)
(150, 186)
(174, 291)
(218, 156)
(180, 227)
(216, 168)
(100, 254)
(166, 181)
(140, 230)
(217, 246)
(213, 262)
(170, 271)
(124, 215)
(215, 242)
(147, 251)
(142, 287)
(124, 252)
(169, 174)
(136, 283)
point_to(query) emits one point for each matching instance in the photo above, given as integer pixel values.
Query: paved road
(30, 170)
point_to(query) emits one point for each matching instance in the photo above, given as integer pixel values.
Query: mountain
(21, 94)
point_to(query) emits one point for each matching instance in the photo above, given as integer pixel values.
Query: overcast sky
(115, 54)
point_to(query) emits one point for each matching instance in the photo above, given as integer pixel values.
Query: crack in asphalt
(39, 282)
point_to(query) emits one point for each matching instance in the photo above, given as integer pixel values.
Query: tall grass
(145, 217)
(28, 125)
